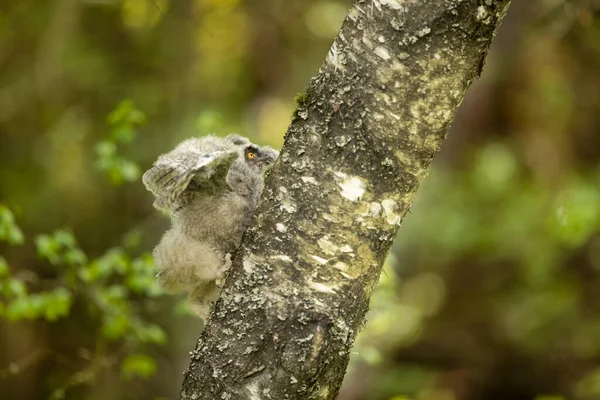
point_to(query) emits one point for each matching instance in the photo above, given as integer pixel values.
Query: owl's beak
(267, 159)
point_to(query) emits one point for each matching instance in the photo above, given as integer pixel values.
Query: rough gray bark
(359, 145)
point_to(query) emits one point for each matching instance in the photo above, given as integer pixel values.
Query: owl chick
(210, 186)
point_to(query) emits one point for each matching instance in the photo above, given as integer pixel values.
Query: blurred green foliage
(107, 284)
(138, 365)
(15, 301)
(123, 122)
(493, 216)
(493, 288)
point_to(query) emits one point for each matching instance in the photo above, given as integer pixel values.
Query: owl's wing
(171, 174)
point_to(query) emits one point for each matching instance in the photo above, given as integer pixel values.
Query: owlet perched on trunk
(210, 186)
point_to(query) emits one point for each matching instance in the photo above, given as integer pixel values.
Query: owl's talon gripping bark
(220, 281)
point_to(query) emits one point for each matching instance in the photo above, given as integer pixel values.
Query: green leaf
(37, 303)
(577, 214)
(47, 248)
(115, 326)
(151, 334)
(144, 284)
(141, 278)
(16, 288)
(89, 273)
(138, 365)
(117, 259)
(123, 134)
(18, 309)
(65, 238)
(114, 294)
(123, 121)
(114, 260)
(129, 170)
(126, 112)
(115, 174)
(105, 163)
(137, 117)
(9, 231)
(58, 304)
(6, 215)
(75, 257)
(106, 149)
(144, 264)
(120, 113)
(15, 236)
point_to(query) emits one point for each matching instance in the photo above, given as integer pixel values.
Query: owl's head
(260, 157)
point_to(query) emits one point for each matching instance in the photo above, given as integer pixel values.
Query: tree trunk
(359, 144)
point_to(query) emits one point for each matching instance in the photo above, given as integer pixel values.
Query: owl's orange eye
(250, 155)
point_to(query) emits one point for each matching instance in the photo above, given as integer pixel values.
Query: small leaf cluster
(108, 284)
(123, 123)
(15, 301)
(110, 280)
(113, 280)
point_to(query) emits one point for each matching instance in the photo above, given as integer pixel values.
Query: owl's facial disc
(259, 157)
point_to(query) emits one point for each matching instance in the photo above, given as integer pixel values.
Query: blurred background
(492, 290)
